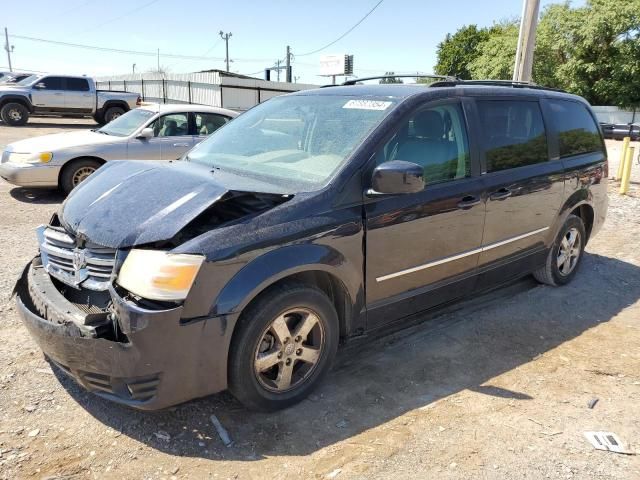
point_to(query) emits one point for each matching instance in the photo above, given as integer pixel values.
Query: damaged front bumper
(147, 359)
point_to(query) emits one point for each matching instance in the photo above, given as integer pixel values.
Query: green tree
(593, 51)
(391, 78)
(456, 51)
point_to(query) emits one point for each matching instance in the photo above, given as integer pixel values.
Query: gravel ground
(494, 388)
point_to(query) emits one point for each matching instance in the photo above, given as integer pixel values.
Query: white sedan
(155, 132)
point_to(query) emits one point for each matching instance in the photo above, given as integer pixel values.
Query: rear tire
(76, 172)
(14, 114)
(112, 113)
(283, 347)
(565, 254)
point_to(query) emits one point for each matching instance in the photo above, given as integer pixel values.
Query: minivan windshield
(297, 140)
(127, 123)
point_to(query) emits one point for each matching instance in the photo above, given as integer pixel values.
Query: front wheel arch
(68, 164)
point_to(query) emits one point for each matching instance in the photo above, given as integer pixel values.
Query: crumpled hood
(57, 141)
(128, 203)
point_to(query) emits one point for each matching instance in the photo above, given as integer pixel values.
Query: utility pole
(526, 41)
(288, 64)
(134, 68)
(225, 37)
(278, 69)
(8, 48)
(158, 60)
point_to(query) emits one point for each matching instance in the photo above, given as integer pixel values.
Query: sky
(399, 35)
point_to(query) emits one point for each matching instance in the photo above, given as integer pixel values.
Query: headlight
(159, 275)
(42, 157)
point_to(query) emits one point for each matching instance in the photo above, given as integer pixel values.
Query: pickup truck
(62, 95)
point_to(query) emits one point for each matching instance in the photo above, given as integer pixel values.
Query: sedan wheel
(289, 350)
(82, 174)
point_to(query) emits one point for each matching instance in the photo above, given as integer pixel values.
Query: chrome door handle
(500, 194)
(468, 202)
(180, 144)
(58, 93)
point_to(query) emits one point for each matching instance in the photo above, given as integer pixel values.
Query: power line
(126, 14)
(131, 52)
(345, 33)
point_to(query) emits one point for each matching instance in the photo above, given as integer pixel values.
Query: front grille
(89, 266)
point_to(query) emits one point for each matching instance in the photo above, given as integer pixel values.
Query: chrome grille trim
(90, 266)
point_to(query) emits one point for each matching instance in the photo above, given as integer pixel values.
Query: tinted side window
(77, 84)
(514, 133)
(53, 83)
(577, 131)
(436, 139)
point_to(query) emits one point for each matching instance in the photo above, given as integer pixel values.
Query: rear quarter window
(578, 132)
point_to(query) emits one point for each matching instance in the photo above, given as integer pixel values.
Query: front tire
(14, 114)
(565, 254)
(283, 348)
(76, 172)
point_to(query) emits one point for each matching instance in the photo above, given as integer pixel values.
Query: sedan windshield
(126, 124)
(298, 140)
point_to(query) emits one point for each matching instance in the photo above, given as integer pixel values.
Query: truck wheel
(14, 114)
(283, 347)
(99, 119)
(76, 172)
(112, 113)
(565, 254)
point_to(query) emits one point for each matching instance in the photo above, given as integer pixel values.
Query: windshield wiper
(103, 133)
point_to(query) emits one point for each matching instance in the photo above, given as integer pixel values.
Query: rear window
(514, 134)
(578, 132)
(77, 84)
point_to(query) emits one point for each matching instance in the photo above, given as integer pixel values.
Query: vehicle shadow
(377, 380)
(70, 125)
(37, 195)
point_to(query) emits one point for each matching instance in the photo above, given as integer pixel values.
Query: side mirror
(40, 86)
(145, 134)
(397, 177)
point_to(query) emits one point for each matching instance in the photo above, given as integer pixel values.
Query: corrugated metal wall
(616, 115)
(207, 88)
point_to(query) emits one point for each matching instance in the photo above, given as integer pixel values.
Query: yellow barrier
(623, 155)
(626, 172)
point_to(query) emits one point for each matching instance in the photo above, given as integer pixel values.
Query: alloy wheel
(81, 174)
(569, 252)
(15, 115)
(289, 350)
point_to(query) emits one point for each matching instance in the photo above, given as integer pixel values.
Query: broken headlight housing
(159, 275)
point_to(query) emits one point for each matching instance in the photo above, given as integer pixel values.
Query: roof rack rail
(355, 81)
(495, 83)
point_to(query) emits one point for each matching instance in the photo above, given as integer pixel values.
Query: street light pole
(526, 41)
(8, 48)
(225, 37)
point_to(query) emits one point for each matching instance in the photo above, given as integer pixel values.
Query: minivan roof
(407, 90)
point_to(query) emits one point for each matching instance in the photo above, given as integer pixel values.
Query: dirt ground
(497, 387)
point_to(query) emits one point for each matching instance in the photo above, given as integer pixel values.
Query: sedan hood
(57, 141)
(128, 203)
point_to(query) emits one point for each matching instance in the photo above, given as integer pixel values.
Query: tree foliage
(391, 78)
(593, 51)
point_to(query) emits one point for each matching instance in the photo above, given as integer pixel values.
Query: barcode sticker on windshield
(367, 104)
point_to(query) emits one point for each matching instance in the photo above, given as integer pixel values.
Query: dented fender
(277, 264)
